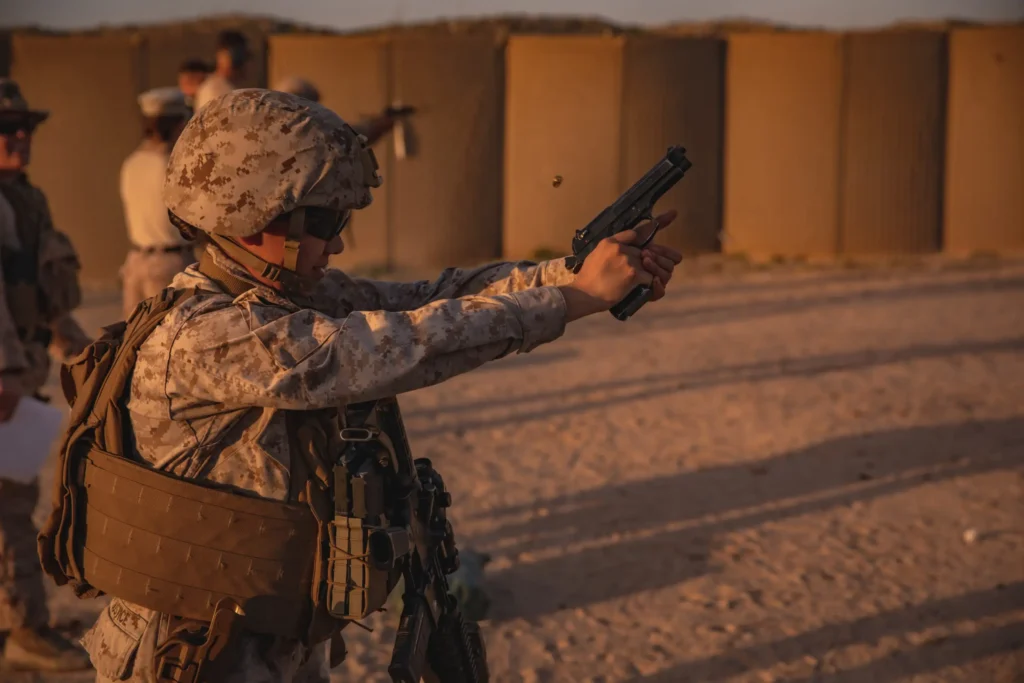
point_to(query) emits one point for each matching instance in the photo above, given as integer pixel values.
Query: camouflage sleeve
(12, 354)
(13, 359)
(487, 280)
(250, 354)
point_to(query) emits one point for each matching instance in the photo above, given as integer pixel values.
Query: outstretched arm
(248, 353)
(487, 280)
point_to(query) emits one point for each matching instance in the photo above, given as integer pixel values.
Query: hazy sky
(347, 14)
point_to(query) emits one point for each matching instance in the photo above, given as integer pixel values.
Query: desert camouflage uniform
(212, 382)
(26, 235)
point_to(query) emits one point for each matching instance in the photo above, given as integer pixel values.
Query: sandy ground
(766, 477)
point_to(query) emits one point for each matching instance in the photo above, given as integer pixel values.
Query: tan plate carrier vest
(193, 549)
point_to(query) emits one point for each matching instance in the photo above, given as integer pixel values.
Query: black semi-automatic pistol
(634, 206)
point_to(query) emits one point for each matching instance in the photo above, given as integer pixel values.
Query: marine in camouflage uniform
(38, 291)
(258, 173)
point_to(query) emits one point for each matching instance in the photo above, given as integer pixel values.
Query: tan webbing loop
(225, 280)
(247, 258)
(296, 228)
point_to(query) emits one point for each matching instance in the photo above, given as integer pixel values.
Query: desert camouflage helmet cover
(253, 154)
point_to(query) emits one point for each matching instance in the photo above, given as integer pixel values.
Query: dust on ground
(778, 476)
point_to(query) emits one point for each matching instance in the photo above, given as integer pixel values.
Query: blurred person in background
(191, 75)
(38, 290)
(158, 251)
(373, 128)
(233, 57)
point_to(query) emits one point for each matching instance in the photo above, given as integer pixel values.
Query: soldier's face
(314, 253)
(15, 144)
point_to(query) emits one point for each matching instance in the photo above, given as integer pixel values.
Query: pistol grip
(640, 295)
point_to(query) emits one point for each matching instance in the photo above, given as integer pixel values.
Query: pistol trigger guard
(654, 231)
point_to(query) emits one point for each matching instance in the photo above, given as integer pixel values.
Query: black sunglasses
(324, 223)
(13, 127)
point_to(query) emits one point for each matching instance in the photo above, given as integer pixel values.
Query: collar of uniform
(259, 289)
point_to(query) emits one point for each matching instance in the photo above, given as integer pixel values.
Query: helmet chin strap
(285, 273)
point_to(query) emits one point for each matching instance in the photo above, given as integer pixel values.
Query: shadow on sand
(672, 524)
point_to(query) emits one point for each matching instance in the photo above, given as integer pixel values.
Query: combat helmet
(253, 155)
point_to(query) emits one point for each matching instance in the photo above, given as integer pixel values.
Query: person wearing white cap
(158, 251)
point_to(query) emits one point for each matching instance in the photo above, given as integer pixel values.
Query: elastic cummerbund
(178, 547)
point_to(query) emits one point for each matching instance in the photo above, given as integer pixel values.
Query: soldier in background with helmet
(239, 385)
(158, 251)
(38, 291)
(232, 59)
(372, 129)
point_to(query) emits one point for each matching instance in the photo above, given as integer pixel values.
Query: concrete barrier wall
(803, 143)
(673, 93)
(835, 144)
(600, 112)
(892, 142)
(446, 206)
(563, 117)
(441, 203)
(783, 122)
(89, 84)
(984, 182)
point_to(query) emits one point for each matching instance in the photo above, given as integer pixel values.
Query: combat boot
(42, 649)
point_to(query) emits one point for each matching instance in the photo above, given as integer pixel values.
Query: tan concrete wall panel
(352, 77)
(563, 117)
(165, 50)
(782, 143)
(673, 95)
(89, 84)
(984, 183)
(892, 147)
(446, 192)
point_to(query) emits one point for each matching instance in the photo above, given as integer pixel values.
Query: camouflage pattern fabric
(25, 363)
(22, 595)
